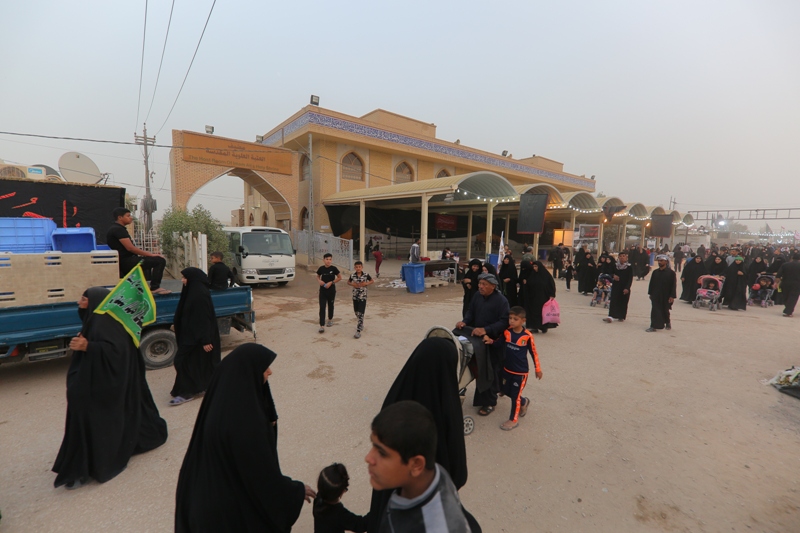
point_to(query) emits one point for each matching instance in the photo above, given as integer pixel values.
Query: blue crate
(74, 240)
(26, 235)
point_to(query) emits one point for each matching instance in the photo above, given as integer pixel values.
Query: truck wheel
(158, 348)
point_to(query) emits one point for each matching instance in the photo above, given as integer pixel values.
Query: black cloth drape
(734, 291)
(231, 479)
(540, 287)
(692, 270)
(618, 306)
(430, 377)
(111, 414)
(508, 271)
(661, 289)
(195, 326)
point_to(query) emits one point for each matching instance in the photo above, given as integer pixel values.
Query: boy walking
(359, 280)
(403, 458)
(219, 274)
(327, 276)
(519, 343)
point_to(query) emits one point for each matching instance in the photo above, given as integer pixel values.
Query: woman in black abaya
(540, 287)
(508, 280)
(524, 271)
(430, 377)
(470, 283)
(716, 266)
(693, 269)
(110, 410)
(231, 479)
(734, 291)
(587, 276)
(198, 337)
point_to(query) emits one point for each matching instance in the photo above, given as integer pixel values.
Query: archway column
(489, 214)
(423, 237)
(600, 236)
(362, 228)
(469, 235)
(508, 227)
(623, 234)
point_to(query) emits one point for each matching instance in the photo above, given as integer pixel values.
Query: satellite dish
(78, 168)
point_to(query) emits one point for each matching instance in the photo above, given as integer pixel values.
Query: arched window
(352, 167)
(305, 169)
(443, 174)
(264, 218)
(403, 173)
(252, 220)
(304, 219)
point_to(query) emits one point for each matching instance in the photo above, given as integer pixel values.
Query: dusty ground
(629, 431)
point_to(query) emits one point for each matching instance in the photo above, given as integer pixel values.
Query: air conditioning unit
(22, 172)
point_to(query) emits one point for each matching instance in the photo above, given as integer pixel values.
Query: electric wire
(189, 69)
(163, 51)
(141, 68)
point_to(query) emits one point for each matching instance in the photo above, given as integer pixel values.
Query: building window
(304, 219)
(403, 173)
(352, 168)
(443, 174)
(305, 169)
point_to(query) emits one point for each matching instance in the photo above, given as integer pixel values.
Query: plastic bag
(551, 312)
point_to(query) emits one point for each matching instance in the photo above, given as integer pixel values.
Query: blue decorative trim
(383, 135)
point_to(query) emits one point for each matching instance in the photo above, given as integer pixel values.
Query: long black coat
(540, 287)
(734, 291)
(661, 289)
(510, 288)
(111, 414)
(618, 306)
(691, 272)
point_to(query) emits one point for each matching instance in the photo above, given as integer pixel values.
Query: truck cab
(261, 254)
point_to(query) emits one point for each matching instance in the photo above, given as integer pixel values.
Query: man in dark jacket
(487, 315)
(662, 294)
(789, 274)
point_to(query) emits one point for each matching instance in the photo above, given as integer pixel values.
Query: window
(304, 218)
(264, 218)
(352, 167)
(305, 169)
(403, 173)
(443, 174)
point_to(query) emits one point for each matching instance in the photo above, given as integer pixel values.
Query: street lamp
(210, 130)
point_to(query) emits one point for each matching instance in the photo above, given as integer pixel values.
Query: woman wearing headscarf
(525, 270)
(430, 377)
(111, 414)
(539, 289)
(734, 291)
(587, 276)
(231, 478)
(691, 273)
(757, 267)
(716, 267)
(508, 280)
(198, 337)
(470, 283)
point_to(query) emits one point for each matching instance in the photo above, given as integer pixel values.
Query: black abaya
(734, 291)
(508, 288)
(692, 271)
(231, 479)
(716, 269)
(618, 306)
(587, 275)
(757, 267)
(195, 327)
(538, 290)
(110, 410)
(524, 271)
(430, 378)
(470, 276)
(661, 289)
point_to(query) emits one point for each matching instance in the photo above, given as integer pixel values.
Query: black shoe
(668, 327)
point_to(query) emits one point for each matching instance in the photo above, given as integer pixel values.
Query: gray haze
(696, 100)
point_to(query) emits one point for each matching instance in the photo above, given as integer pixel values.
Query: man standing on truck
(120, 240)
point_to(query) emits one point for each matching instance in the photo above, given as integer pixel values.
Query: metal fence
(148, 240)
(324, 243)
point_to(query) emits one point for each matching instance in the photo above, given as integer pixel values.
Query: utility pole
(148, 204)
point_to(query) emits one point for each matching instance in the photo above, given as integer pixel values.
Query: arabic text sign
(228, 153)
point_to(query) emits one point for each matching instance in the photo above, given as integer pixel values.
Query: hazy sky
(699, 100)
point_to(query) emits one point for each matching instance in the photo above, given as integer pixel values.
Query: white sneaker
(608, 319)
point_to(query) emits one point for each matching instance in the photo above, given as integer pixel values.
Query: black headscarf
(231, 478)
(758, 266)
(714, 268)
(692, 270)
(734, 291)
(111, 414)
(430, 378)
(195, 319)
(508, 271)
(490, 268)
(538, 290)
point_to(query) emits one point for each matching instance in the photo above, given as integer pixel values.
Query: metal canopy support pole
(572, 220)
(489, 214)
(643, 240)
(600, 236)
(469, 235)
(508, 228)
(622, 236)
(362, 228)
(423, 228)
(536, 246)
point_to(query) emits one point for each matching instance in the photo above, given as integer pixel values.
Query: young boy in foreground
(519, 343)
(403, 458)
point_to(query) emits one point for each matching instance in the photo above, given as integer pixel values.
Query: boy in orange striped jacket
(519, 342)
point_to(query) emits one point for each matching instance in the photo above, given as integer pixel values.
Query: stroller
(762, 290)
(465, 376)
(602, 295)
(709, 292)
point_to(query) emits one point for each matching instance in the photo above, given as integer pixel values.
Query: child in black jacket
(330, 516)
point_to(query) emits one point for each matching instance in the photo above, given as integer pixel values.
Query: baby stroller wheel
(469, 425)
(694, 304)
(750, 302)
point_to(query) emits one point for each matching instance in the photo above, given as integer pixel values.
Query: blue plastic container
(493, 259)
(26, 235)
(74, 240)
(103, 247)
(414, 275)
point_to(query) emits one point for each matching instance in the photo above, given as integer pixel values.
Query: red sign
(446, 222)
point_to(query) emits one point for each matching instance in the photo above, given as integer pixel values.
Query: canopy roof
(554, 197)
(581, 200)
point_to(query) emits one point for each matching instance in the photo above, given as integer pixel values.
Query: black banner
(661, 226)
(531, 213)
(69, 205)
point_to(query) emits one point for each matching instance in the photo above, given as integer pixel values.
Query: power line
(189, 69)
(141, 68)
(163, 50)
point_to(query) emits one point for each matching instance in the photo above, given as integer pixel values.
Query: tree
(198, 220)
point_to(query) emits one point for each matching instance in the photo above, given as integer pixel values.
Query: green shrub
(198, 220)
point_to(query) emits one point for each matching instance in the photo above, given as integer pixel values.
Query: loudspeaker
(661, 226)
(531, 213)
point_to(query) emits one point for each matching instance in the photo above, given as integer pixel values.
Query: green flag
(131, 304)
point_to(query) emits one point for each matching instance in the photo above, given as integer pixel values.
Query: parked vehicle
(261, 255)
